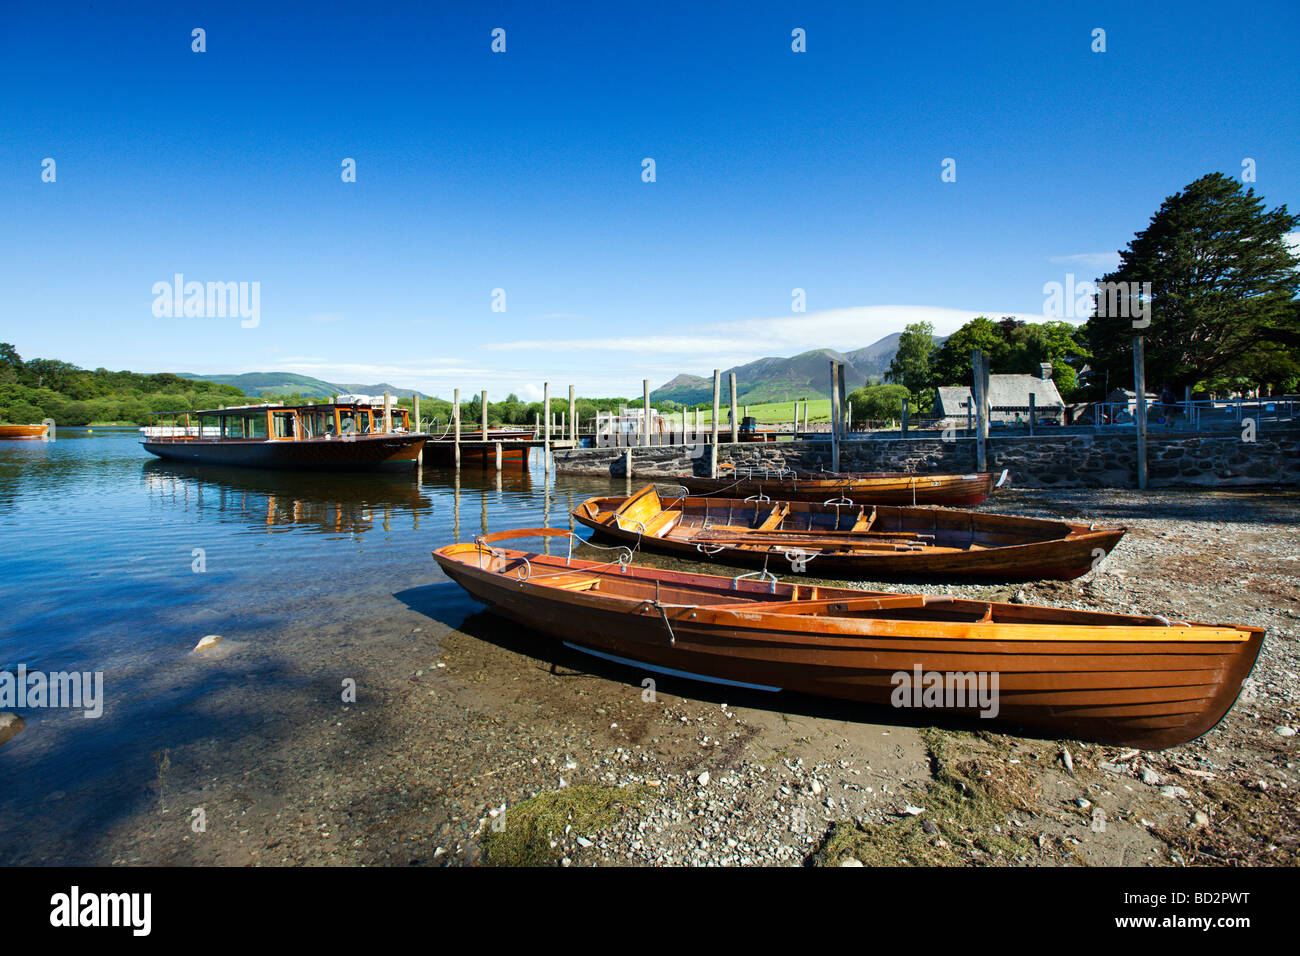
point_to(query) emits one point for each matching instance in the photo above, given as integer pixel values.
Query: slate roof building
(1008, 396)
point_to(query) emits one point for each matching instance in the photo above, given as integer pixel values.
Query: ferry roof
(276, 406)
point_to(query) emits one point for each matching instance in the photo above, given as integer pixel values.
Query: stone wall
(1045, 461)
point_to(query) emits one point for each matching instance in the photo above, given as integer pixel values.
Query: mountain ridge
(279, 383)
(776, 379)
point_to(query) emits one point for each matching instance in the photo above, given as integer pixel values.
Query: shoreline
(452, 723)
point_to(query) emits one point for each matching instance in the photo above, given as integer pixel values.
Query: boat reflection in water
(286, 501)
(350, 504)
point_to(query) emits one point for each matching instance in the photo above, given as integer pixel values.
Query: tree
(1222, 283)
(952, 364)
(878, 403)
(910, 365)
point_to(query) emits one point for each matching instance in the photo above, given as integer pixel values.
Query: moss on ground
(532, 825)
(966, 798)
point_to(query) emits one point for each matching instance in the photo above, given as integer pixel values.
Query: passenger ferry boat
(351, 435)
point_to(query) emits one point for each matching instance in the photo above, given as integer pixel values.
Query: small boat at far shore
(884, 488)
(850, 541)
(23, 432)
(1112, 678)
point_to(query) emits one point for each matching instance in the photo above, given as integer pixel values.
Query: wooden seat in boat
(571, 582)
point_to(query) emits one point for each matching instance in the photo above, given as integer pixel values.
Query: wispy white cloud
(1107, 261)
(748, 339)
(1293, 240)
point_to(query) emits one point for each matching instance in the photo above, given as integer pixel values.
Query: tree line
(1211, 285)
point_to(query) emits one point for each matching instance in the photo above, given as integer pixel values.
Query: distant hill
(279, 383)
(806, 375)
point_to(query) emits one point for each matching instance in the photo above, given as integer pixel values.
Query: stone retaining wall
(1049, 461)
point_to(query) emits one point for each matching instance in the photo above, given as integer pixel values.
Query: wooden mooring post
(1031, 414)
(1140, 393)
(573, 418)
(713, 441)
(835, 415)
(546, 440)
(645, 412)
(980, 370)
(735, 422)
(455, 418)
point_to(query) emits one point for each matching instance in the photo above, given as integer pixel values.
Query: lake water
(113, 562)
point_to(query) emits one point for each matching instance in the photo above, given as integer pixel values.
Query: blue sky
(522, 171)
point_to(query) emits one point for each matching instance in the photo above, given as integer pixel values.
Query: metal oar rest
(484, 543)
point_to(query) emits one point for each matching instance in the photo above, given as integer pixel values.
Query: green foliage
(878, 403)
(911, 364)
(1014, 347)
(46, 388)
(1223, 284)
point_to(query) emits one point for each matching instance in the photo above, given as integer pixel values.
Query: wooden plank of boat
(23, 432)
(1114, 678)
(885, 488)
(836, 541)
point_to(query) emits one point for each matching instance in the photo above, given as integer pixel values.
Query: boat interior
(760, 592)
(758, 522)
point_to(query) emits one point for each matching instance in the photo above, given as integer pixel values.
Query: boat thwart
(861, 541)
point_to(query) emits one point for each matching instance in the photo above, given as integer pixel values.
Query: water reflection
(285, 501)
(351, 504)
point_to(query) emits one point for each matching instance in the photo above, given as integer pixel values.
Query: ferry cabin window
(254, 426)
(364, 415)
(348, 424)
(283, 423)
(232, 427)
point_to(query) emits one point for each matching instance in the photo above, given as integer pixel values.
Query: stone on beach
(11, 725)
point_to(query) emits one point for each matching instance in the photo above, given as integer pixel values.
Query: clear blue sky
(522, 171)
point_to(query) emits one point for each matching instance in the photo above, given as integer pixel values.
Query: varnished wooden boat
(886, 488)
(850, 541)
(23, 432)
(1112, 678)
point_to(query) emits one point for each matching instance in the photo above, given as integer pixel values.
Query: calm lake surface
(98, 550)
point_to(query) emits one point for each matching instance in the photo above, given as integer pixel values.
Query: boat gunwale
(863, 626)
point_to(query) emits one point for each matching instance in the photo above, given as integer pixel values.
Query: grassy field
(819, 410)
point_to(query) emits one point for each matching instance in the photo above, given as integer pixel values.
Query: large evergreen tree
(1222, 283)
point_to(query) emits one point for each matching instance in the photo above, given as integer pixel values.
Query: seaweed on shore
(537, 831)
(965, 799)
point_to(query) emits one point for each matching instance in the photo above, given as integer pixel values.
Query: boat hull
(442, 453)
(1016, 548)
(884, 489)
(23, 432)
(1149, 692)
(362, 453)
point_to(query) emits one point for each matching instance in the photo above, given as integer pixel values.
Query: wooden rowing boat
(1113, 678)
(877, 489)
(850, 541)
(23, 431)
